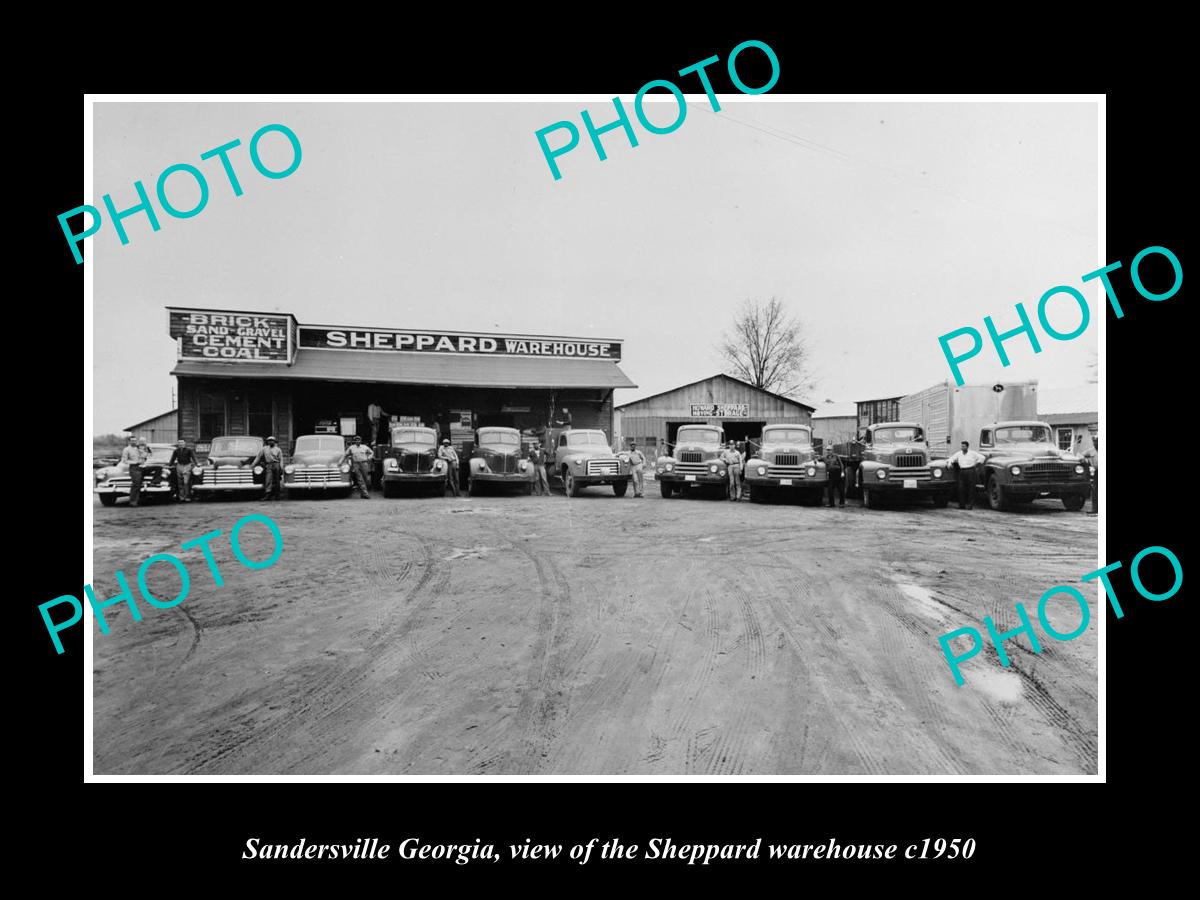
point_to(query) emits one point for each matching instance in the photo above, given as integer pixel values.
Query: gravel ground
(595, 635)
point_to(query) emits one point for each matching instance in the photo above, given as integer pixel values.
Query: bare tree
(767, 348)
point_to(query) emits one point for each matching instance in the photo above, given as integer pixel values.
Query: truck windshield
(787, 436)
(586, 439)
(1023, 434)
(411, 436)
(698, 436)
(235, 447)
(499, 437)
(898, 435)
(315, 443)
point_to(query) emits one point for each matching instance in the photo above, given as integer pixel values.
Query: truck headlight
(670, 467)
(812, 470)
(523, 466)
(437, 465)
(937, 473)
(762, 470)
(389, 463)
(99, 476)
(881, 474)
(1016, 470)
(197, 471)
(289, 468)
(1079, 470)
(713, 469)
(258, 470)
(345, 467)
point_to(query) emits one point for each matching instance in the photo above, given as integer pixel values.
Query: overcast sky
(882, 226)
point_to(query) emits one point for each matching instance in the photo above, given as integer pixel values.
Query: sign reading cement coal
(463, 343)
(721, 411)
(232, 336)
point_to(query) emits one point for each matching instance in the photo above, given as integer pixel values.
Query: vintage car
(157, 477)
(582, 458)
(229, 467)
(786, 463)
(498, 459)
(412, 460)
(1023, 464)
(696, 461)
(894, 461)
(316, 465)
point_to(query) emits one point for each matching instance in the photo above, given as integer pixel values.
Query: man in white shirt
(733, 460)
(133, 455)
(964, 462)
(374, 414)
(447, 453)
(637, 467)
(359, 456)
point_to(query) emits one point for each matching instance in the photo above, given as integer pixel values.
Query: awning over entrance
(423, 368)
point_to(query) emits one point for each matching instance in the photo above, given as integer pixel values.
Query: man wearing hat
(183, 459)
(637, 467)
(359, 456)
(270, 458)
(537, 457)
(447, 453)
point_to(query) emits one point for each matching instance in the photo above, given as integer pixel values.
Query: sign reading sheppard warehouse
(312, 336)
(225, 336)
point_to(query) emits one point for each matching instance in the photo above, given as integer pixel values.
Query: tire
(471, 490)
(528, 488)
(388, 488)
(108, 499)
(665, 489)
(867, 500)
(1073, 503)
(620, 488)
(941, 501)
(570, 485)
(995, 494)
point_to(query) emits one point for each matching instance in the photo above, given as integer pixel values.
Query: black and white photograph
(511, 436)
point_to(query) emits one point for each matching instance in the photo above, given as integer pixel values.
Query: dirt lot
(508, 635)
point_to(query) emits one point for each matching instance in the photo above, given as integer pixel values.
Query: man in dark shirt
(537, 457)
(837, 480)
(564, 419)
(183, 459)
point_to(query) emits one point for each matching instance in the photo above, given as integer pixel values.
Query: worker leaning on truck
(964, 462)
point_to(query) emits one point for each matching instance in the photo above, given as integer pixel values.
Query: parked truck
(787, 464)
(892, 459)
(695, 463)
(582, 458)
(1022, 462)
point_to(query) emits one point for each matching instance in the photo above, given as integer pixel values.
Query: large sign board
(721, 411)
(459, 343)
(232, 336)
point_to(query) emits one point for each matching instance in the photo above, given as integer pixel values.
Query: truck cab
(894, 461)
(786, 463)
(582, 457)
(696, 460)
(1023, 464)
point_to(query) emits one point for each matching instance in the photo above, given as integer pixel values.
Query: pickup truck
(1022, 464)
(582, 458)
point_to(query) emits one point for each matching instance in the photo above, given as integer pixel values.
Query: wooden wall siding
(676, 405)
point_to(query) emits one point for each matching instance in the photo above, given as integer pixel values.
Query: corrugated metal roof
(1084, 400)
(390, 367)
(732, 378)
(153, 419)
(844, 409)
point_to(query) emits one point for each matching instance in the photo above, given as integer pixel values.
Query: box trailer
(952, 414)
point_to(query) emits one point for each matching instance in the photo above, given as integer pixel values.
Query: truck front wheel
(570, 485)
(867, 500)
(995, 494)
(1073, 503)
(108, 499)
(620, 487)
(666, 489)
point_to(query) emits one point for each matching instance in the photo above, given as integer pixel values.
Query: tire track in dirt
(703, 672)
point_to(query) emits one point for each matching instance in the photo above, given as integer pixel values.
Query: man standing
(374, 414)
(733, 461)
(133, 455)
(359, 456)
(537, 457)
(564, 419)
(270, 458)
(637, 466)
(964, 462)
(1092, 458)
(183, 459)
(837, 477)
(447, 453)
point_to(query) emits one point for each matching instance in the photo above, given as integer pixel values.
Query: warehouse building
(250, 373)
(1074, 415)
(162, 429)
(737, 406)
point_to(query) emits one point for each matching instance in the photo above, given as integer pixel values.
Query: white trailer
(952, 414)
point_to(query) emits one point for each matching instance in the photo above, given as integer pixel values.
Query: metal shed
(739, 407)
(163, 429)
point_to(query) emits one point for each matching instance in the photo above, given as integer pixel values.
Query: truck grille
(603, 467)
(416, 462)
(121, 484)
(910, 459)
(787, 471)
(692, 468)
(691, 456)
(318, 475)
(228, 476)
(787, 459)
(1049, 469)
(899, 472)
